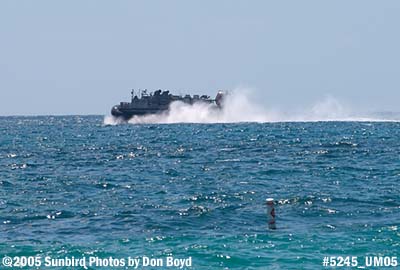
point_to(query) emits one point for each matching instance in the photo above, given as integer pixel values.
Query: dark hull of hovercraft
(127, 114)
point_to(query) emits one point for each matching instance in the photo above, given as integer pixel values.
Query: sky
(82, 57)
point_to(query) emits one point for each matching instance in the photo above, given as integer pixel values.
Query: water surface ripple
(70, 186)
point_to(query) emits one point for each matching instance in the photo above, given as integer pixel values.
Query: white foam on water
(111, 120)
(239, 107)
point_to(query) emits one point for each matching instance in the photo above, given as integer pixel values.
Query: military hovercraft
(143, 103)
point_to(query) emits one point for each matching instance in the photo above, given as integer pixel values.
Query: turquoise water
(70, 186)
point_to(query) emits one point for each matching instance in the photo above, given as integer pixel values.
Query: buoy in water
(271, 214)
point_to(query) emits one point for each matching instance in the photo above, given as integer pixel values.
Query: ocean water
(72, 186)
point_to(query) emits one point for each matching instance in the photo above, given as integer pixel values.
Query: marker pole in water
(271, 214)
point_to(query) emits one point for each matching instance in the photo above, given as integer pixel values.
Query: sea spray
(238, 107)
(329, 108)
(112, 121)
(244, 105)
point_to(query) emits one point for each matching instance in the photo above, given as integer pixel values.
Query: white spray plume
(239, 106)
(329, 109)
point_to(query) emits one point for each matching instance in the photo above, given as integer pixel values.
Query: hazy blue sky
(81, 57)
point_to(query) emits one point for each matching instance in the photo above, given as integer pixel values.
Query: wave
(240, 107)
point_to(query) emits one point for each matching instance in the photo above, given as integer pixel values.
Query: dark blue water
(70, 186)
